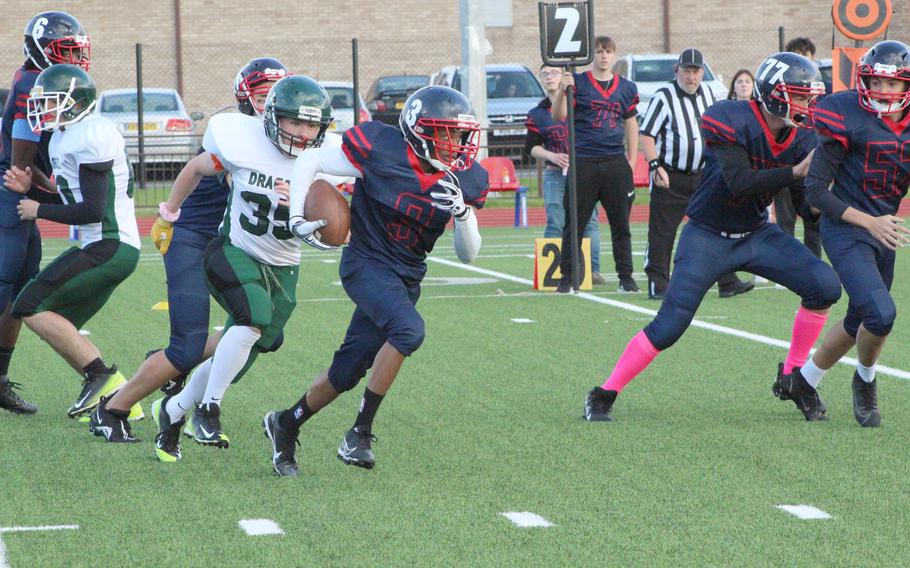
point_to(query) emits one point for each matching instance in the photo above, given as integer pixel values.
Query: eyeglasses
(553, 73)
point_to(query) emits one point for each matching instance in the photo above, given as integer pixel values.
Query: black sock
(96, 367)
(368, 407)
(294, 417)
(5, 356)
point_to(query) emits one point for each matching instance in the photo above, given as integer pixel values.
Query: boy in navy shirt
(604, 114)
(412, 181)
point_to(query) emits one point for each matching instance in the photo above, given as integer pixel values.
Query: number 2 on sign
(546, 264)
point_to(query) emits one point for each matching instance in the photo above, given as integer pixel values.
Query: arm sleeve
(93, 185)
(742, 179)
(800, 203)
(533, 137)
(22, 131)
(42, 196)
(332, 161)
(828, 156)
(467, 237)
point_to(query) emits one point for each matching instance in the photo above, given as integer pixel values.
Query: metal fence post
(356, 82)
(140, 125)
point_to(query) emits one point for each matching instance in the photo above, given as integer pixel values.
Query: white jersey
(253, 221)
(94, 140)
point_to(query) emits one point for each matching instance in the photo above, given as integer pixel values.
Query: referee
(672, 144)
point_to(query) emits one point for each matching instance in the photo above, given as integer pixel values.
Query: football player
(94, 179)
(252, 266)
(411, 181)
(182, 242)
(754, 149)
(863, 149)
(50, 37)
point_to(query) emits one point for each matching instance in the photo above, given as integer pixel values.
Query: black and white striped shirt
(674, 121)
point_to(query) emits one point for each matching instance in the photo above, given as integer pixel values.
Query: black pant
(667, 209)
(606, 180)
(785, 214)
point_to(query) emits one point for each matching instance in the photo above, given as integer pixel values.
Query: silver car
(342, 96)
(169, 131)
(653, 71)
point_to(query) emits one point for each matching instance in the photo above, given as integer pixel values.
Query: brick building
(415, 36)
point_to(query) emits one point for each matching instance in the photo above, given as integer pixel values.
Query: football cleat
(283, 445)
(167, 442)
(865, 406)
(188, 430)
(599, 405)
(95, 386)
(207, 426)
(627, 285)
(356, 448)
(10, 399)
(112, 428)
(793, 386)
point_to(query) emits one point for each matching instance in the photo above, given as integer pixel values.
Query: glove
(450, 198)
(305, 231)
(161, 234)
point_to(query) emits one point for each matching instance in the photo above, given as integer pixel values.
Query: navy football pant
(188, 298)
(386, 311)
(866, 268)
(20, 248)
(703, 256)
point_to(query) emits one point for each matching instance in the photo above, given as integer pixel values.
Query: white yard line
(4, 559)
(805, 512)
(260, 527)
(525, 519)
(724, 330)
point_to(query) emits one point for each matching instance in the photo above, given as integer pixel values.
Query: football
(324, 201)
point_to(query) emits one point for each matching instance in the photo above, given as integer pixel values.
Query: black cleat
(740, 287)
(207, 426)
(167, 442)
(627, 285)
(10, 400)
(564, 286)
(865, 407)
(599, 405)
(284, 445)
(112, 428)
(95, 386)
(356, 448)
(793, 386)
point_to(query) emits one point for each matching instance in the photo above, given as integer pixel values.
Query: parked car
(512, 91)
(167, 127)
(342, 97)
(4, 94)
(651, 72)
(386, 97)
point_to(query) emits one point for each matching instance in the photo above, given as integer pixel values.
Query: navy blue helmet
(56, 37)
(782, 76)
(886, 60)
(440, 127)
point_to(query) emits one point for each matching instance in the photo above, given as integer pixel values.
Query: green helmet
(72, 92)
(296, 96)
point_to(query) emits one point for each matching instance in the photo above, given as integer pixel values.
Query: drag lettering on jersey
(263, 180)
(885, 174)
(606, 110)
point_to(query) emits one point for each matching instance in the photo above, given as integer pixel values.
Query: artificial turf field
(484, 419)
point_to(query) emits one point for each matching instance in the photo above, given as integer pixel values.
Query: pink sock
(807, 326)
(638, 355)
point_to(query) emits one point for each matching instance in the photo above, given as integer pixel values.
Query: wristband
(653, 165)
(165, 214)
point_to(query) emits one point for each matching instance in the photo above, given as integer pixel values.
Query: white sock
(185, 401)
(865, 373)
(230, 356)
(812, 373)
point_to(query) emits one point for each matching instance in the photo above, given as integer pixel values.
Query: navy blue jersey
(552, 134)
(15, 123)
(600, 114)
(875, 173)
(742, 123)
(203, 210)
(392, 218)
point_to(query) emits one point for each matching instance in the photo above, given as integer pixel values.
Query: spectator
(784, 213)
(546, 140)
(604, 118)
(672, 143)
(742, 87)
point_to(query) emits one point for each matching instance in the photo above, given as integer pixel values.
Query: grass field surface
(485, 419)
